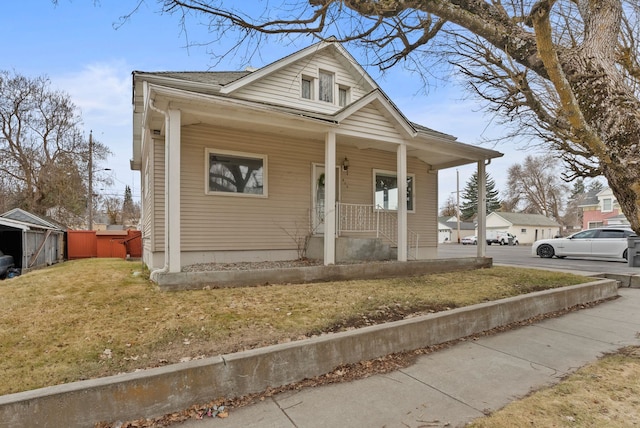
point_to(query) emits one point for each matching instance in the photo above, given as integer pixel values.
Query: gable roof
(525, 219)
(20, 215)
(348, 60)
(198, 93)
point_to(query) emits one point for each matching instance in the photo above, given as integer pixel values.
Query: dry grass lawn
(90, 318)
(602, 394)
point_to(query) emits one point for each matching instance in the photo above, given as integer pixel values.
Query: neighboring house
(33, 241)
(467, 228)
(527, 228)
(602, 209)
(444, 233)
(244, 166)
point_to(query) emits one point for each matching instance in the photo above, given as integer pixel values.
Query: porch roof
(437, 149)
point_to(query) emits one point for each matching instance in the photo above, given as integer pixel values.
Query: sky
(80, 47)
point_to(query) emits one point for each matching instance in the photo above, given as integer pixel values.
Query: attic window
(306, 86)
(325, 86)
(343, 96)
(233, 173)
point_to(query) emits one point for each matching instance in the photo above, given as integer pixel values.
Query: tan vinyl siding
(283, 88)
(225, 223)
(157, 195)
(369, 122)
(222, 222)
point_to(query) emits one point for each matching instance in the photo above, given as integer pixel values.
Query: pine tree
(127, 206)
(469, 206)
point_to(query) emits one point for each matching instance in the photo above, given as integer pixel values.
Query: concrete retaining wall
(159, 391)
(371, 270)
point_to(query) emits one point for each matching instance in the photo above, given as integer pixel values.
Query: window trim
(393, 174)
(610, 201)
(209, 151)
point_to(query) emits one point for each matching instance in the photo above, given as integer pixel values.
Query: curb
(159, 391)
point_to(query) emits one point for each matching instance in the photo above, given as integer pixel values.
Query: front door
(317, 197)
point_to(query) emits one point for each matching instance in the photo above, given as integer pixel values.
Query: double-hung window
(306, 87)
(236, 173)
(386, 190)
(325, 86)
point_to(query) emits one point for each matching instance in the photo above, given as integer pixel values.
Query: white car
(469, 240)
(602, 242)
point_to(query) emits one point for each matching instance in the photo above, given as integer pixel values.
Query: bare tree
(535, 186)
(112, 207)
(43, 154)
(450, 207)
(566, 71)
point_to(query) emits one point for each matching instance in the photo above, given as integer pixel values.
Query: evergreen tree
(469, 206)
(127, 206)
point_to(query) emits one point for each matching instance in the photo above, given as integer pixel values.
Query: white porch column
(401, 159)
(330, 198)
(482, 210)
(172, 191)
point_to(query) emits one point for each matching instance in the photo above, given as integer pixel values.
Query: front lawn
(90, 318)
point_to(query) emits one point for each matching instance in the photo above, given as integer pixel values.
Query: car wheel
(624, 255)
(546, 251)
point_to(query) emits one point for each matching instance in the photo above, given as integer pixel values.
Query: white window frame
(388, 173)
(207, 165)
(604, 208)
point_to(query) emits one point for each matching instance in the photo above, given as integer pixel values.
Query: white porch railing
(362, 218)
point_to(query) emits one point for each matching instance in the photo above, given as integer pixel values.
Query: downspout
(165, 268)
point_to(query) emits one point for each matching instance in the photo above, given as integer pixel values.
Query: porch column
(172, 190)
(482, 210)
(330, 198)
(401, 159)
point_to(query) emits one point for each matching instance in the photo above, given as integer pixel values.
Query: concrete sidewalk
(453, 386)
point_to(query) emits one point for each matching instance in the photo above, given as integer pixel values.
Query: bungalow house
(602, 209)
(527, 228)
(249, 165)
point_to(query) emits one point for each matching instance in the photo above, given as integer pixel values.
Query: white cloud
(102, 92)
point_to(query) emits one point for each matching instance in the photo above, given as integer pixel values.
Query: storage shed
(33, 241)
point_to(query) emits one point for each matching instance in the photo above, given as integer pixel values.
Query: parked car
(469, 240)
(6, 262)
(601, 242)
(501, 237)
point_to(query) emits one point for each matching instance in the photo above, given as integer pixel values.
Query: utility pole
(458, 202)
(90, 180)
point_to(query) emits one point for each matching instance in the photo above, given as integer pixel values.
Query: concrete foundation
(350, 249)
(344, 272)
(159, 391)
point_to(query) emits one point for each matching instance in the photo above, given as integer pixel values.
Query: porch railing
(363, 218)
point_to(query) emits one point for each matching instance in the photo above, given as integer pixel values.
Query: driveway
(520, 255)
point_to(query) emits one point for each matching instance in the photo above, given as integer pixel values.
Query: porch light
(345, 165)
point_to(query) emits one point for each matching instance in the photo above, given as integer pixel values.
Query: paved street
(520, 255)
